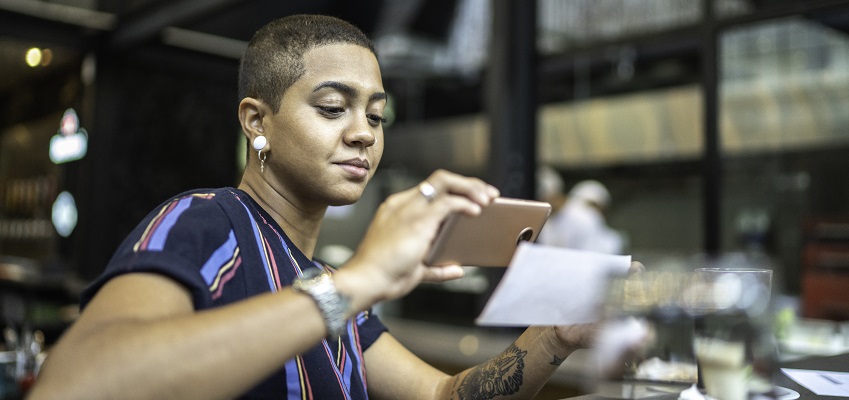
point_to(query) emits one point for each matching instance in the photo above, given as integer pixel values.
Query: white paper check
(547, 285)
(823, 383)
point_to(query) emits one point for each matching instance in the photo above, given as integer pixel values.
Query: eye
(376, 120)
(330, 112)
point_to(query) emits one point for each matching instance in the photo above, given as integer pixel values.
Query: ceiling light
(33, 57)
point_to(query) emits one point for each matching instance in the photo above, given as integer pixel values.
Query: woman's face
(327, 137)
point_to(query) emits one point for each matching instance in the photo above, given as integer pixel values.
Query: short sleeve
(181, 239)
(370, 328)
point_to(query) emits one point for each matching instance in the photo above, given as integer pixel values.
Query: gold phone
(490, 238)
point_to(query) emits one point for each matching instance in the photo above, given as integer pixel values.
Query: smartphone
(490, 238)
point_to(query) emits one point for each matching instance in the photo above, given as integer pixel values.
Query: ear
(252, 113)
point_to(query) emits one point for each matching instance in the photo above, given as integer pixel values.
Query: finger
(477, 190)
(443, 273)
(462, 204)
(427, 190)
(636, 267)
(578, 336)
(442, 204)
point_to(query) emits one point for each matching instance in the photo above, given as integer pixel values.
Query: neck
(301, 224)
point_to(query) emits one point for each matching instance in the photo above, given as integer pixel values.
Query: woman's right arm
(141, 338)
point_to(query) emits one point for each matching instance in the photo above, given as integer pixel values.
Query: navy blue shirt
(224, 248)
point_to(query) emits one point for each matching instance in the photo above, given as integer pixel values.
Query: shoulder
(195, 216)
(200, 202)
(202, 197)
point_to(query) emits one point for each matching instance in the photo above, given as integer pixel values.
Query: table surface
(838, 363)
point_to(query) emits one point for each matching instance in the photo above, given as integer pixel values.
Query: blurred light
(71, 142)
(19, 136)
(64, 214)
(469, 345)
(33, 57)
(49, 10)
(70, 122)
(46, 57)
(88, 70)
(68, 148)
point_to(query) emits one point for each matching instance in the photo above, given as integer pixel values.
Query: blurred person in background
(217, 295)
(577, 219)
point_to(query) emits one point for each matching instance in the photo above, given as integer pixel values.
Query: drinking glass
(730, 307)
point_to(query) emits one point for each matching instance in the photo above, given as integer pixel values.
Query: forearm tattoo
(499, 377)
(557, 360)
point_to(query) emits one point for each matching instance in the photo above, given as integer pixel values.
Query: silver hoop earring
(261, 156)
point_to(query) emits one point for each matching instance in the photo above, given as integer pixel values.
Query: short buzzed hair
(273, 60)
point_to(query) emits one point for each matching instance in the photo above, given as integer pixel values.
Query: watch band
(319, 285)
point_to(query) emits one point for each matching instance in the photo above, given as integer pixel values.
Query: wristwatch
(333, 305)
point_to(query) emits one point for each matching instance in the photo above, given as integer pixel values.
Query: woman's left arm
(519, 372)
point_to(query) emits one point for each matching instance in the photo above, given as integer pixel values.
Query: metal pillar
(510, 97)
(712, 160)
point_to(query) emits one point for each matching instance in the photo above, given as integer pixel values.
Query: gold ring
(427, 190)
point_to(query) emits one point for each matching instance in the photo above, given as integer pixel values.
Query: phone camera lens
(525, 235)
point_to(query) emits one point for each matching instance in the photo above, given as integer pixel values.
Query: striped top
(224, 248)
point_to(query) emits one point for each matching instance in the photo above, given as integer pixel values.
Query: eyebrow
(347, 90)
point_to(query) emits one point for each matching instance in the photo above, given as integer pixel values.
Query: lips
(357, 168)
(355, 162)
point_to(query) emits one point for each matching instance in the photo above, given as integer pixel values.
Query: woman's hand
(583, 336)
(388, 261)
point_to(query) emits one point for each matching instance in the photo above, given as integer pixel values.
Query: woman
(215, 295)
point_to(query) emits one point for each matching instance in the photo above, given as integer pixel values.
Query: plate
(777, 393)
(783, 393)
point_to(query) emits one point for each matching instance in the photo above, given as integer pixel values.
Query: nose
(360, 133)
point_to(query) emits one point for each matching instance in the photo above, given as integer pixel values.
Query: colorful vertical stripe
(344, 385)
(157, 230)
(267, 255)
(221, 265)
(297, 379)
(354, 338)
